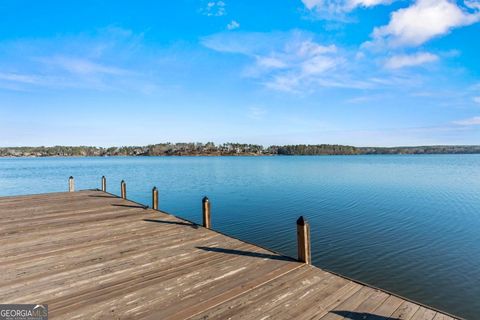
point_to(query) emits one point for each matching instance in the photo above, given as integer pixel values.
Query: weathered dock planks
(92, 255)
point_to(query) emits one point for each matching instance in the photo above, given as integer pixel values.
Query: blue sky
(357, 72)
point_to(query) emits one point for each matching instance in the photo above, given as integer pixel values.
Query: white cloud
(296, 62)
(318, 64)
(402, 61)
(475, 121)
(286, 62)
(476, 99)
(233, 25)
(335, 8)
(286, 83)
(299, 65)
(369, 3)
(472, 4)
(214, 9)
(271, 62)
(311, 48)
(422, 21)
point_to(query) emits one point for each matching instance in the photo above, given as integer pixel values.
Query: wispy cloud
(284, 61)
(336, 9)
(366, 98)
(298, 63)
(233, 25)
(22, 78)
(474, 121)
(214, 9)
(472, 4)
(403, 60)
(82, 66)
(423, 20)
(333, 7)
(104, 61)
(476, 99)
(271, 62)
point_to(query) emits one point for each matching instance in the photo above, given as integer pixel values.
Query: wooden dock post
(71, 184)
(206, 213)
(123, 189)
(155, 198)
(303, 241)
(104, 184)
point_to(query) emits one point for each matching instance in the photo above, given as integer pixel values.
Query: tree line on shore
(226, 149)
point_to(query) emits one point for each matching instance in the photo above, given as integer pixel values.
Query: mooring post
(123, 189)
(206, 213)
(71, 184)
(104, 184)
(155, 198)
(303, 241)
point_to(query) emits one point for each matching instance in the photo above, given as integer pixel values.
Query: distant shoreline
(227, 149)
(239, 156)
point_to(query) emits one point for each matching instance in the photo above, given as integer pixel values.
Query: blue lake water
(407, 224)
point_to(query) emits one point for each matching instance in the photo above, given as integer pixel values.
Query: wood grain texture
(92, 255)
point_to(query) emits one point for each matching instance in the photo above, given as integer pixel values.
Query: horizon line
(253, 144)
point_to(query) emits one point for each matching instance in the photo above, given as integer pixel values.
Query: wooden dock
(93, 255)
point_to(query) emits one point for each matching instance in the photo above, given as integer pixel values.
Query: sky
(356, 72)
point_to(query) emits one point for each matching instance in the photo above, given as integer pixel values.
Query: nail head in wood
(206, 213)
(303, 241)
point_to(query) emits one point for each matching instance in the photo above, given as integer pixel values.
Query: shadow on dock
(351, 315)
(247, 253)
(101, 196)
(194, 226)
(130, 206)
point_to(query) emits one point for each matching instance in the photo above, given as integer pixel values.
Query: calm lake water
(407, 224)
